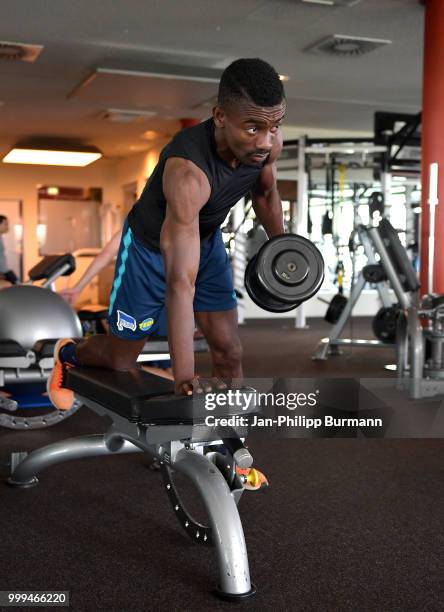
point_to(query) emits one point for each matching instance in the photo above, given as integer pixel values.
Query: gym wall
(21, 183)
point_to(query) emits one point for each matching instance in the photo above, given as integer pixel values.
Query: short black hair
(252, 79)
(3, 218)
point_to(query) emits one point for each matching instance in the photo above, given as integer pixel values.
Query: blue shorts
(137, 302)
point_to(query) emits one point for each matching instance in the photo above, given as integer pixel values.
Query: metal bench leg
(25, 473)
(228, 535)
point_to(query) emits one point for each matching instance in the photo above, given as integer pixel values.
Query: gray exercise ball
(29, 313)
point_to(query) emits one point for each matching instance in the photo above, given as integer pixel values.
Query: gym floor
(346, 524)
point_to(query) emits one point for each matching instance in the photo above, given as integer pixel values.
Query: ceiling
(108, 54)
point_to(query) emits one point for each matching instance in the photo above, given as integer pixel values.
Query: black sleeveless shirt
(228, 185)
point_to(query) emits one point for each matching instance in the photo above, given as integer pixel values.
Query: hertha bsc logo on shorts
(125, 320)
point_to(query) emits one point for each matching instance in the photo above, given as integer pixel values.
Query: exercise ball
(29, 313)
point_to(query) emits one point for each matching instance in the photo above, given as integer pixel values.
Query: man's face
(4, 226)
(250, 131)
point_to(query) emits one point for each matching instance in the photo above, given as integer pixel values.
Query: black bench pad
(51, 264)
(44, 348)
(92, 315)
(139, 396)
(11, 348)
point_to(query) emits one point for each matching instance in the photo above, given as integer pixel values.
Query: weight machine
(307, 155)
(420, 333)
(383, 275)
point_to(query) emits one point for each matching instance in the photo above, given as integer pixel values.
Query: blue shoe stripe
(127, 239)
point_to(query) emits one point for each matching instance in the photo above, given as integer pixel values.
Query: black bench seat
(142, 397)
(11, 348)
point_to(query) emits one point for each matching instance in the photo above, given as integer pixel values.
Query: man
(171, 253)
(5, 273)
(100, 261)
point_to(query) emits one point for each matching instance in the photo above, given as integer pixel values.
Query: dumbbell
(286, 271)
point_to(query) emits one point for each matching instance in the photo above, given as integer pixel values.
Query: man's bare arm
(186, 189)
(267, 201)
(265, 195)
(98, 263)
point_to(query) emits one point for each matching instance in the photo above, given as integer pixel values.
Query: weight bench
(147, 417)
(19, 366)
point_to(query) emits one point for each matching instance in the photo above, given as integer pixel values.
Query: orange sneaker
(253, 479)
(60, 397)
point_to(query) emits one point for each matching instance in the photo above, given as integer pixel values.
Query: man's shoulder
(190, 151)
(190, 143)
(185, 171)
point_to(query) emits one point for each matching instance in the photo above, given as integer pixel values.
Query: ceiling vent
(346, 46)
(332, 2)
(116, 115)
(19, 52)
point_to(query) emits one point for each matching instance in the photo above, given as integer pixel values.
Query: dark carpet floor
(347, 524)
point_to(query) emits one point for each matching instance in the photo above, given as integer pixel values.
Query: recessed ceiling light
(48, 157)
(119, 115)
(327, 2)
(284, 77)
(332, 2)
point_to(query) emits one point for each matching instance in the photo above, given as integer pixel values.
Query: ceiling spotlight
(150, 135)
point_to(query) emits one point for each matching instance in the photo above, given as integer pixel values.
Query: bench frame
(179, 447)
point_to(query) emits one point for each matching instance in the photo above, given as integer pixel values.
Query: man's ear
(219, 116)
